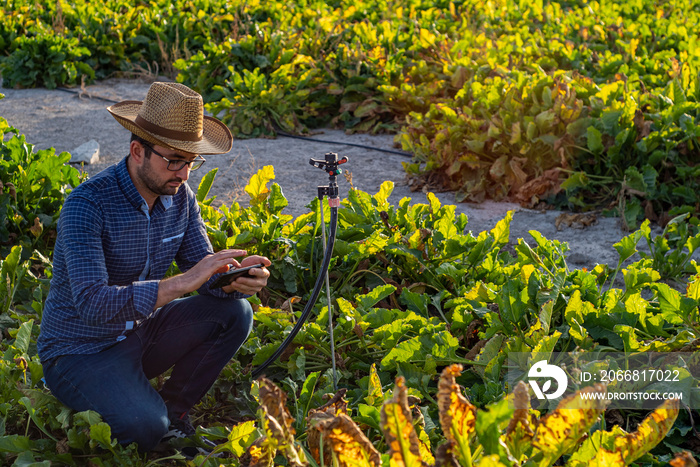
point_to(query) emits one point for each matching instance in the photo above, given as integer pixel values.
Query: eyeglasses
(178, 164)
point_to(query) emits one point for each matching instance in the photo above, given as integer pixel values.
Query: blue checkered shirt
(110, 256)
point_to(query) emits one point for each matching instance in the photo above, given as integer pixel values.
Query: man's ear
(137, 152)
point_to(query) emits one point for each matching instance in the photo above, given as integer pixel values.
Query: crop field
(581, 105)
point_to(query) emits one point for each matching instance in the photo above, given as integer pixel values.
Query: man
(112, 321)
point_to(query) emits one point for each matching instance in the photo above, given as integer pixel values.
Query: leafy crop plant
(505, 433)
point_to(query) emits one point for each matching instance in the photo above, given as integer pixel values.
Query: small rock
(86, 153)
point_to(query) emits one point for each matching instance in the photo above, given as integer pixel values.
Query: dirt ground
(65, 120)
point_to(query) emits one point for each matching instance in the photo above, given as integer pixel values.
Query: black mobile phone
(230, 276)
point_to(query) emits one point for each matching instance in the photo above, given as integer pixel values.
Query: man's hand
(250, 285)
(177, 286)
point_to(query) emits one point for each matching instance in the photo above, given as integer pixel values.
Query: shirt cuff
(145, 296)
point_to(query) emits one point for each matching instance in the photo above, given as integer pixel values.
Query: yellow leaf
(257, 186)
(561, 431)
(605, 458)
(375, 394)
(491, 461)
(693, 289)
(240, 436)
(649, 433)
(427, 38)
(526, 271)
(457, 414)
(625, 448)
(397, 425)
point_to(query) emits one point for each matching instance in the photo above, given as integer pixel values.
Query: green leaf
(594, 140)
(669, 303)
(592, 445)
(383, 194)
(9, 265)
(441, 345)
(31, 410)
(634, 179)
(308, 389)
(24, 336)
(575, 180)
(277, 200)
(26, 459)
(15, 443)
(512, 303)
(367, 301)
(297, 365)
(501, 232)
(415, 301)
(490, 422)
(206, 184)
(368, 415)
(87, 418)
(546, 315)
(489, 354)
(101, 435)
(627, 246)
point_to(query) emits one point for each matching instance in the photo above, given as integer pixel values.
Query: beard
(145, 173)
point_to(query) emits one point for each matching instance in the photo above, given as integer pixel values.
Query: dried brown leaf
(549, 183)
(521, 416)
(256, 455)
(274, 400)
(683, 459)
(457, 414)
(343, 439)
(288, 304)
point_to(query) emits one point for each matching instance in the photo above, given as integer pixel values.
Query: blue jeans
(196, 336)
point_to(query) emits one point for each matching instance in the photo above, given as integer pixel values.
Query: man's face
(156, 177)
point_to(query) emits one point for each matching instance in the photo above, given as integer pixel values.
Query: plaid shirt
(110, 256)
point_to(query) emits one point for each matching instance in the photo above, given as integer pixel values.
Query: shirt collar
(131, 193)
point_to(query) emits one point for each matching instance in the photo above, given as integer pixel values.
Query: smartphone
(230, 276)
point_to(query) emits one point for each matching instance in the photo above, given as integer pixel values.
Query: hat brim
(216, 137)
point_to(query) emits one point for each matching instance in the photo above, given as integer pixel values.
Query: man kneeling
(112, 321)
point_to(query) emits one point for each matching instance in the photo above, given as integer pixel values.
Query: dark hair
(146, 144)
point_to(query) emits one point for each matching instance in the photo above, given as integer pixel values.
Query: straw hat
(172, 116)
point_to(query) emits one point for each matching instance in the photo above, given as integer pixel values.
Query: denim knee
(146, 428)
(244, 315)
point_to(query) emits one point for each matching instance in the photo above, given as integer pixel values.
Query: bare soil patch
(65, 120)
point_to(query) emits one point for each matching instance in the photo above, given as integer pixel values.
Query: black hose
(314, 295)
(363, 146)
